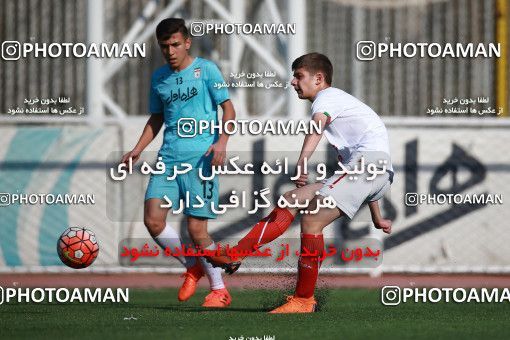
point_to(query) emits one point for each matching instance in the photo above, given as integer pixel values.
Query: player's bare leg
(303, 300)
(165, 236)
(161, 231)
(197, 228)
(269, 228)
(154, 217)
(219, 296)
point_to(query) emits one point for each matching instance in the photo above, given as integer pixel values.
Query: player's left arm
(219, 149)
(310, 144)
(379, 222)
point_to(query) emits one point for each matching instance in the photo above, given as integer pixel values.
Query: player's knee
(197, 230)
(310, 225)
(290, 196)
(154, 226)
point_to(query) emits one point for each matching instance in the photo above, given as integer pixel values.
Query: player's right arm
(150, 131)
(309, 145)
(155, 122)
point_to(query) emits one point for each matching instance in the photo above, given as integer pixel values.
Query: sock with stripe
(267, 229)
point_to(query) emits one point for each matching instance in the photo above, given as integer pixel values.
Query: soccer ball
(77, 247)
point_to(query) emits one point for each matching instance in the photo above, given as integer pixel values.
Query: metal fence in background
(405, 86)
(393, 87)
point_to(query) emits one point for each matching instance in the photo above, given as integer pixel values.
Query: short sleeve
(155, 102)
(219, 95)
(325, 105)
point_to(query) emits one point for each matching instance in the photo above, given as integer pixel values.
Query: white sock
(213, 274)
(169, 238)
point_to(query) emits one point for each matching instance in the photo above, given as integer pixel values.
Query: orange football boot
(296, 304)
(191, 277)
(219, 298)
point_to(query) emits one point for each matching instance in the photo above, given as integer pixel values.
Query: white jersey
(353, 127)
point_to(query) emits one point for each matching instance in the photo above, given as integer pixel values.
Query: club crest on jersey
(197, 72)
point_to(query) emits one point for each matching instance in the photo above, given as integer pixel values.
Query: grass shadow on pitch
(24, 312)
(204, 309)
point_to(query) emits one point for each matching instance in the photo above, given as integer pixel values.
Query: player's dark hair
(169, 26)
(314, 63)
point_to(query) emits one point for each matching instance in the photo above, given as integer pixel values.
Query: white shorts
(350, 194)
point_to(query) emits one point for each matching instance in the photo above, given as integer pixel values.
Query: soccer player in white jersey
(356, 132)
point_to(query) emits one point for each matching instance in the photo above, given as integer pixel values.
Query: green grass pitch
(343, 314)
